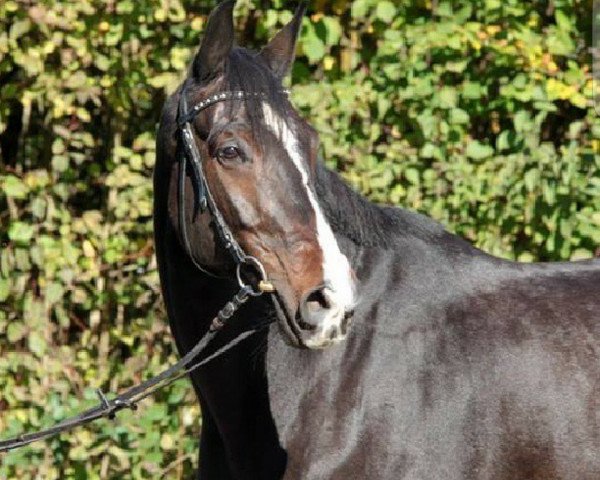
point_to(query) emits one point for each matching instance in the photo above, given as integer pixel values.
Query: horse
(390, 348)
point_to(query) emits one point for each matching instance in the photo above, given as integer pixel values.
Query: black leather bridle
(107, 408)
(203, 199)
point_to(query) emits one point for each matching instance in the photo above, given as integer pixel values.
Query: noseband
(203, 199)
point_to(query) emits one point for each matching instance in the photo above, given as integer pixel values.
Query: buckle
(263, 285)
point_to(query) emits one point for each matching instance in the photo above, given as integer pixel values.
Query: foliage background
(476, 112)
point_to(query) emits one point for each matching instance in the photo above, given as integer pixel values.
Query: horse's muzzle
(323, 318)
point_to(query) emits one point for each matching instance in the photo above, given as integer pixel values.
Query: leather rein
(203, 200)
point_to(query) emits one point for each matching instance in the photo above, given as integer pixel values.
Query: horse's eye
(228, 153)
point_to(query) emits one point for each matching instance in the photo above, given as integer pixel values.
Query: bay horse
(391, 348)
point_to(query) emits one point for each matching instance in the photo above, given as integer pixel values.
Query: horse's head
(259, 159)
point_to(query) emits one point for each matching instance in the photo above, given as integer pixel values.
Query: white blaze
(336, 268)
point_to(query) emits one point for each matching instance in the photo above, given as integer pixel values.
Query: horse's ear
(279, 53)
(217, 42)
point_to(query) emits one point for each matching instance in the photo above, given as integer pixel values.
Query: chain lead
(230, 308)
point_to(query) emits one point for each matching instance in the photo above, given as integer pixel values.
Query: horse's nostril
(315, 307)
(317, 300)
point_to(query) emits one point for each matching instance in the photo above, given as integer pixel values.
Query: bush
(478, 113)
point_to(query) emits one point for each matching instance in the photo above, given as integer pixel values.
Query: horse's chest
(389, 409)
(341, 415)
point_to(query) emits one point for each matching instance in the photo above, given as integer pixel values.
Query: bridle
(107, 408)
(203, 199)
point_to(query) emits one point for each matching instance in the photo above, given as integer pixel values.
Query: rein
(129, 399)
(203, 201)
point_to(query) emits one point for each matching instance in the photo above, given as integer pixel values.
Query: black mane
(366, 223)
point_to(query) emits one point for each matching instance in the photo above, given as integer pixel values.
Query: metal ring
(250, 260)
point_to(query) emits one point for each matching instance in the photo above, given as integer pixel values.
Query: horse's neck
(362, 226)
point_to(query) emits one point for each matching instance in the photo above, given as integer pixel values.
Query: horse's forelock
(245, 71)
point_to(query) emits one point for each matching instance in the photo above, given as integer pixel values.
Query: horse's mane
(366, 223)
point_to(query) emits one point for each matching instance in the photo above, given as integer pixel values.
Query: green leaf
(162, 80)
(333, 30)
(14, 187)
(412, 175)
(36, 344)
(457, 66)
(54, 292)
(447, 98)
(385, 11)
(532, 179)
(38, 207)
(507, 140)
(360, 8)
(102, 62)
(478, 151)
(4, 289)
(60, 163)
(20, 232)
(581, 254)
(459, 116)
(19, 28)
(523, 121)
(473, 90)
(15, 331)
(312, 46)
(563, 21)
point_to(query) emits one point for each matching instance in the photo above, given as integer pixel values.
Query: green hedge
(476, 112)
